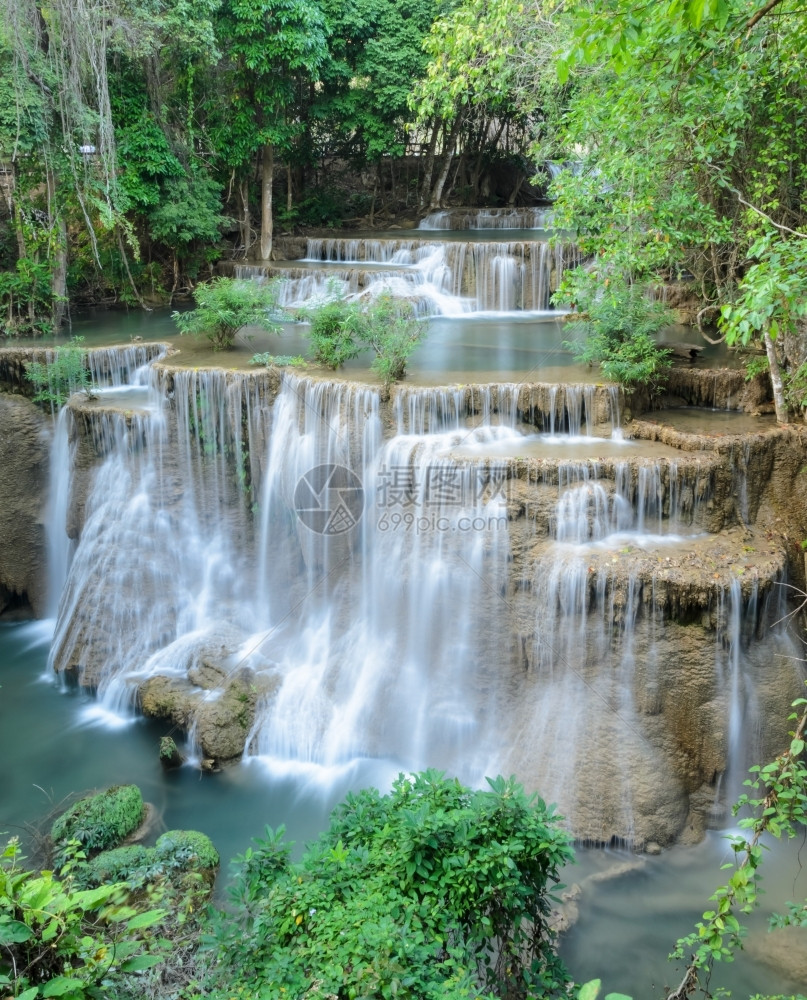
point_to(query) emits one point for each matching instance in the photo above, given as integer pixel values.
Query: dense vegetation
(141, 140)
(432, 890)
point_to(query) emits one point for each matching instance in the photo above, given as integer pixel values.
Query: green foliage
(334, 325)
(376, 52)
(226, 305)
(99, 821)
(58, 939)
(771, 297)
(342, 328)
(689, 116)
(778, 808)
(392, 331)
(431, 891)
(278, 360)
(67, 373)
(121, 864)
(193, 849)
(618, 320)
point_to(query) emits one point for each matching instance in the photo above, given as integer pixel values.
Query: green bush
(100, 821)
(226, 305)
(618, 322)
(58, 939)
(342, 329)
(188, 848)
(335, 324)
(433, 890)
(393, 333)
(67, 373)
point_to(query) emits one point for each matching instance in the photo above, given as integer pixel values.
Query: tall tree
(272, 48)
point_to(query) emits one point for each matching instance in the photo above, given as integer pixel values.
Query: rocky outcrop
(23, 499)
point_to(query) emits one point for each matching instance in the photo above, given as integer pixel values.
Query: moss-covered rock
(188, 849)
(99, 822)
(121, 864)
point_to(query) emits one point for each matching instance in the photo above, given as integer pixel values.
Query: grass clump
(278, 360)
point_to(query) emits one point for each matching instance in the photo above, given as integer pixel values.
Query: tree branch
(756, 18)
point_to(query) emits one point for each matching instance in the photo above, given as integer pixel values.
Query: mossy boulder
(99, 822)
(187, 849)
(121, 864)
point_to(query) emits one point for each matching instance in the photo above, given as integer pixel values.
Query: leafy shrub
(58, 939)
(189, 847)
(100, 821)
(618, 322)
(433, 890)
(177, 851)
(121, 864)
(334, 325)
(393, 332)
(341, 329)
(67, 373)
(278, 360)
(226, 305)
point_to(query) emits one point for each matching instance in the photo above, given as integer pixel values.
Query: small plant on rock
(226, 305)
(64, 374)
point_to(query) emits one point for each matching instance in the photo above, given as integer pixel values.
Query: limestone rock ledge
(23, 500)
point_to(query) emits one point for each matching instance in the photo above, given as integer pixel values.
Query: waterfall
(440, 278)
(59, 544)
(489, 218)
(384, 588)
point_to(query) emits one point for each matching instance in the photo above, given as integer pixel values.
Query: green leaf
(797, 747)
(14, 931)
(29, 994)
(145, 920)
(589, 990)
(60, 985)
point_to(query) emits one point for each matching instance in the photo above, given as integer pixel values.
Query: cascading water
(489, 218)
(449, 278)
(389, 589)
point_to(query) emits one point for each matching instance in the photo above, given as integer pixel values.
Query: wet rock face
(23, 498)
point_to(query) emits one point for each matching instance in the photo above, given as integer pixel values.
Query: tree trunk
(288, 189)
(267, 179)
(439, 184)
(58, 280)
(779, 403)
(429, 168)
(245, 223)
